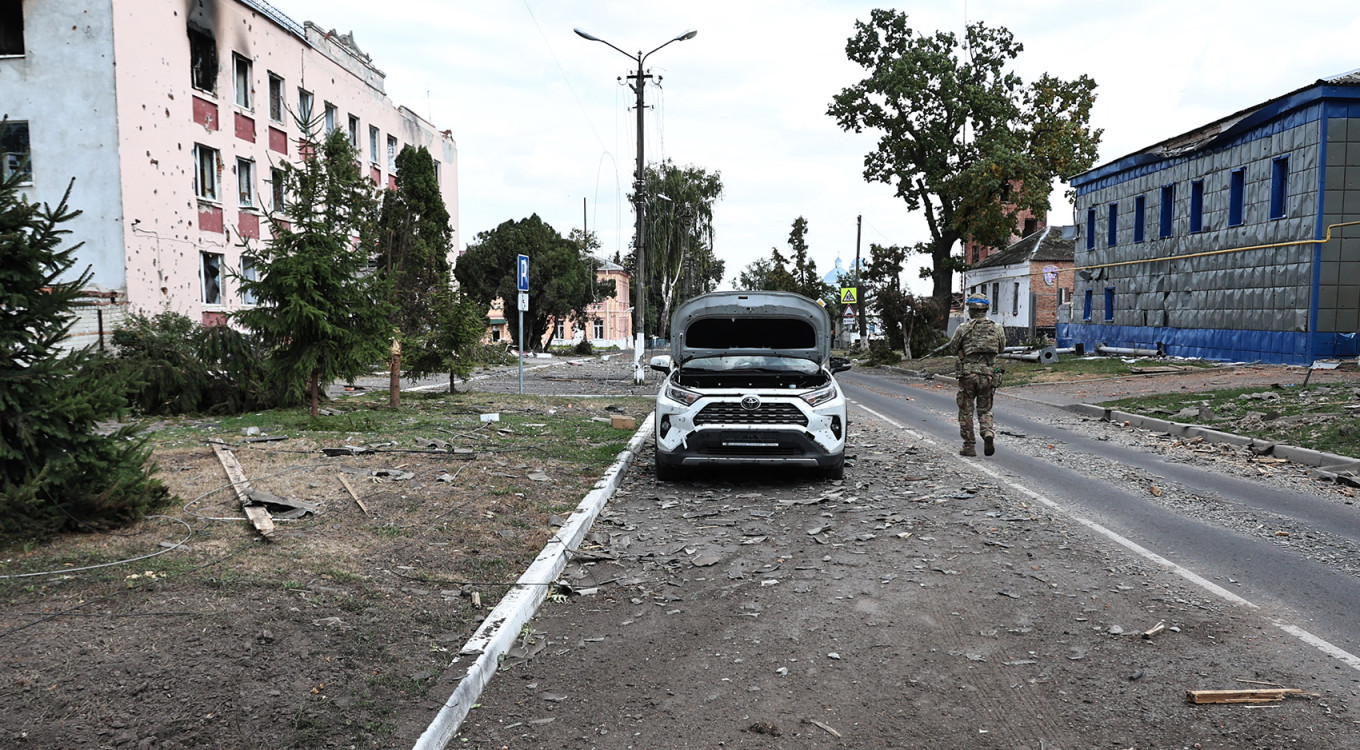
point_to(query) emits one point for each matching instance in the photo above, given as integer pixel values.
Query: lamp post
(639, 80)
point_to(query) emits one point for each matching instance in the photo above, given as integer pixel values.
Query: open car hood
(780, 324)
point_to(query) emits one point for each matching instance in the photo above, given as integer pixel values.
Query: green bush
(880, 353)
(173, 365)
(584, 348)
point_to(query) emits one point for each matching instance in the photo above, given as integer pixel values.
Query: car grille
(730, 412)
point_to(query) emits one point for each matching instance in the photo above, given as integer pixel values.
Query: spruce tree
(56, 471)
(320, 313)
(414, 242)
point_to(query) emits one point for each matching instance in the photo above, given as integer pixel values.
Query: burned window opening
(11, 27)
(202, 60)
(749, 333)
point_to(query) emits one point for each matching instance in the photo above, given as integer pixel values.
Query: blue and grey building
(1238, 241)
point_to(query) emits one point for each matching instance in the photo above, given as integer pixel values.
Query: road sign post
(522, 281)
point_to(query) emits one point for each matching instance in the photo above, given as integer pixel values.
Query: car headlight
(681, 395)
(821, 395)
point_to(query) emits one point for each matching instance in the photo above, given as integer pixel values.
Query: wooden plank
(259, 517)
(1240, 696)
(353, 494)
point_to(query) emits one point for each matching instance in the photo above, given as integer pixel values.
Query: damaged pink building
(172, 116)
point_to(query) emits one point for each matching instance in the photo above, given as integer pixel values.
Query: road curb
(1330, 463)
(503, 624)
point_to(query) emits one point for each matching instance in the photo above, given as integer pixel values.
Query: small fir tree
(414, 241)
(320, 313)
(56, 471)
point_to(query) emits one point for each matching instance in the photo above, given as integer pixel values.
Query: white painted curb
(502, 626)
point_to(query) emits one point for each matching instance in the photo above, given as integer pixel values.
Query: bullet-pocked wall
(1206, 245)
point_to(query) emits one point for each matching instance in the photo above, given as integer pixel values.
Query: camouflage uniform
(976, 343)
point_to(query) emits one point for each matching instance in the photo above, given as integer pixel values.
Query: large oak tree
(961, 138)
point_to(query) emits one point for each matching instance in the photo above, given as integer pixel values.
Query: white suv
(749, 380)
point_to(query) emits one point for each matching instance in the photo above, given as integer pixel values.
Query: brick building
(171, 115)
(1026, 282)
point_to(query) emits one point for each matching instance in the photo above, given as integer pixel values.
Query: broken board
(258, 516)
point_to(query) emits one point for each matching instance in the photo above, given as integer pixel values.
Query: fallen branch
(1270, 695)
(353, 494)
(823, 727)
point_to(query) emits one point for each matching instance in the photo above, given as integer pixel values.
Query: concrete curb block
(1306, 456)
(502, 625)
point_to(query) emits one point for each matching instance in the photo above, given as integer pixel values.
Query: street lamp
(638, 84)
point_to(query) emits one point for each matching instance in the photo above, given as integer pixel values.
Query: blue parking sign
(523, 273)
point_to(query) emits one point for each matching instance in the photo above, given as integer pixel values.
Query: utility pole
(638, 82)
(859, 292)
(639, 247)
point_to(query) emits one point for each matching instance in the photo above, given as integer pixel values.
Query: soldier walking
(976, 343)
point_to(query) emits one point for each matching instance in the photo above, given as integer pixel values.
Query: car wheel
(665, 473)
(835, 470)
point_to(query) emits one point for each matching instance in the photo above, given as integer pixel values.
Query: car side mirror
(661, 363)
(839, 364)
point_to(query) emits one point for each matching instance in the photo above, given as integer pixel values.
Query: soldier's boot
(967, 450)
(987, 447)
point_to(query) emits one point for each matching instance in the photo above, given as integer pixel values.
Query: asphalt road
(1282, 580)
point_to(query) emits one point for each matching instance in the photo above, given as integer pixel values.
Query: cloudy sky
(542, 122)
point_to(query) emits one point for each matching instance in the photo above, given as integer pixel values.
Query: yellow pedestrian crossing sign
(848, 295)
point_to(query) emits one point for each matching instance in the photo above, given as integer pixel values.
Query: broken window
(11, 27)
(331, 115)
(372, 144)
(212, 278)
(275, 98)
(202, 61)
(560, 330)
(15, 154)
(354, 132)
(1015, 300)
(242, 81)
(305, 106)
(391, 153)
(205, 172)
(278, 190)
(248, 273)
(1031, 226)
(598, 328)
(245, 182)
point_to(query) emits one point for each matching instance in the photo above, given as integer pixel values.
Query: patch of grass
(1315, 417)
(1068, 368)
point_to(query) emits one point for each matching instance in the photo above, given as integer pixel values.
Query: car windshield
(752, 364)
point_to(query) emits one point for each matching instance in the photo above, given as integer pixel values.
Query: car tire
(835, 470)
(665, 473)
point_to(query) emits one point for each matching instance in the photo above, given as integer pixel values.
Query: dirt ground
(917, 604)
(893, 609)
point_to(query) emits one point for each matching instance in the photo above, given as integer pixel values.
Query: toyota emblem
(750, 403)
